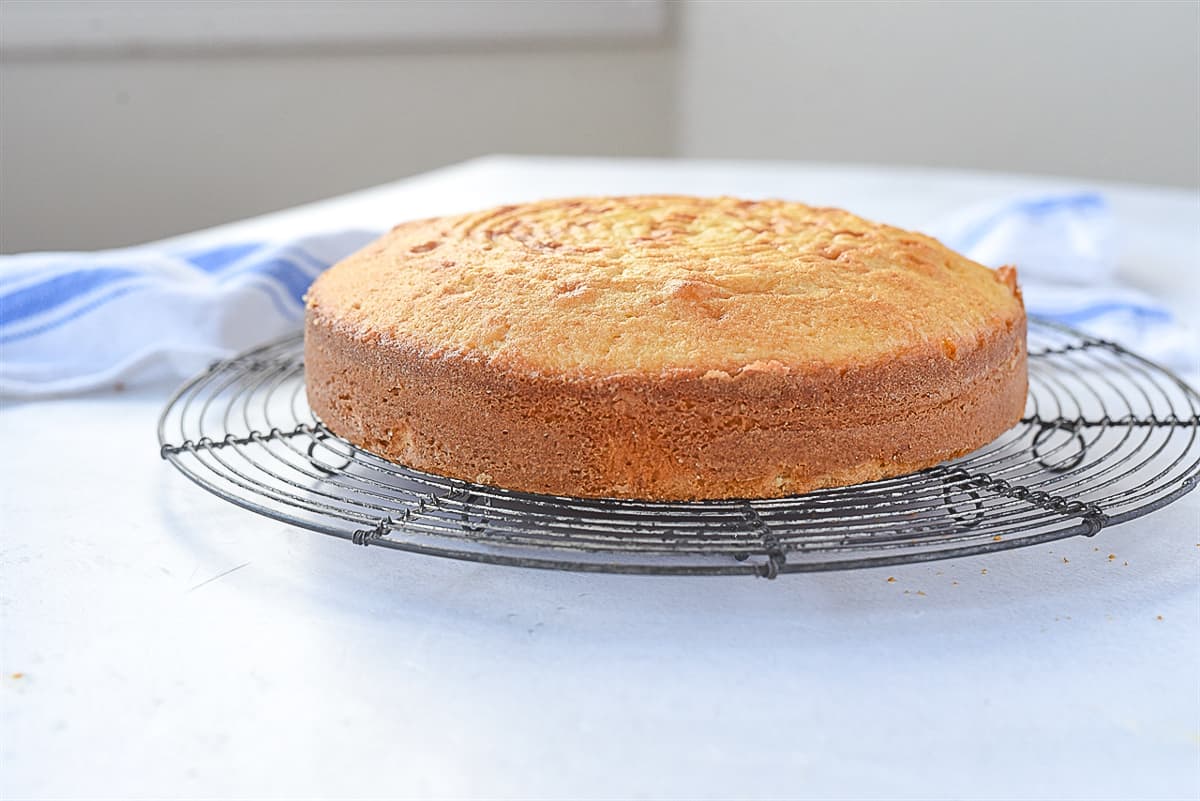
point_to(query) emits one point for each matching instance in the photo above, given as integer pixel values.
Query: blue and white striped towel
(76, 321)
(1064, 249)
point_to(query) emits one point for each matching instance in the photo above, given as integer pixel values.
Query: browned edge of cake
(682, 435)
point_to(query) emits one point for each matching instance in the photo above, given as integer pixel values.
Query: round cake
(664, 348)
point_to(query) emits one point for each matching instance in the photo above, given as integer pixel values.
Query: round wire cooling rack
(1107, 436)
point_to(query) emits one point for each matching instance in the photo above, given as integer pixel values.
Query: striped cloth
(1064, 249)
(77, 321)
(71, 322)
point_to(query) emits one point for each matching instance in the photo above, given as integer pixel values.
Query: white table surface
(158, 642)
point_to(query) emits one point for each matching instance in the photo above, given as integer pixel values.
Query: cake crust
(664, 348)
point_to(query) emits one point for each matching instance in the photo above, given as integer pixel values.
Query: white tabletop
(158, 642)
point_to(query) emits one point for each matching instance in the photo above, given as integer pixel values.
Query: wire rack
(1107, 436)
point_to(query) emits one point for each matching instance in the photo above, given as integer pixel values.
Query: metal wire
(1107, 436)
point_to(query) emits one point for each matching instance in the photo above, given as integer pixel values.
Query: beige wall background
(104, 146)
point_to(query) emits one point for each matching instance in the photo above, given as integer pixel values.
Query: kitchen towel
(71, 322)
(1064, 247)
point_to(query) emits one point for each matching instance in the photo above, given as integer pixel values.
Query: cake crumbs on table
(20, 675)
(997, 538)
(891, 580)
(983, 572)
(1112, 557)
(1066, 561)
(1158, 617)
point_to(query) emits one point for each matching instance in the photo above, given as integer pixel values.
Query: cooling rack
(1107, 436)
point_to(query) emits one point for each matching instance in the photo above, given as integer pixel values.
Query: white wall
(106, 151)
(102, 149)
(1098, 89)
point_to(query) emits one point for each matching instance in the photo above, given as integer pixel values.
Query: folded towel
(1063, 247)
(1064, 239)
(76, 321)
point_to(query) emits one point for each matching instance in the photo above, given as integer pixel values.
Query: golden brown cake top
(616, 285)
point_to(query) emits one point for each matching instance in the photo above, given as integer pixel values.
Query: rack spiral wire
(1107, 437)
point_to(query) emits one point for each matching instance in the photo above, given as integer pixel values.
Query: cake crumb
(891, 579)
(1112, 557)
(1158, 617)
(19, 675)
(983, 572)
(1066, 561)
(997, 538)
(920, 592)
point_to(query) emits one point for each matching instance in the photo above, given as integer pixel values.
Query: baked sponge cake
(664, 348)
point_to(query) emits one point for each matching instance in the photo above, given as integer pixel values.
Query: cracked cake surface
(664, 347)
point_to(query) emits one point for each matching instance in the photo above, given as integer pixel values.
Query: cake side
(764, 431)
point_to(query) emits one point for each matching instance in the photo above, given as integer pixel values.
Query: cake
(664, 348)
